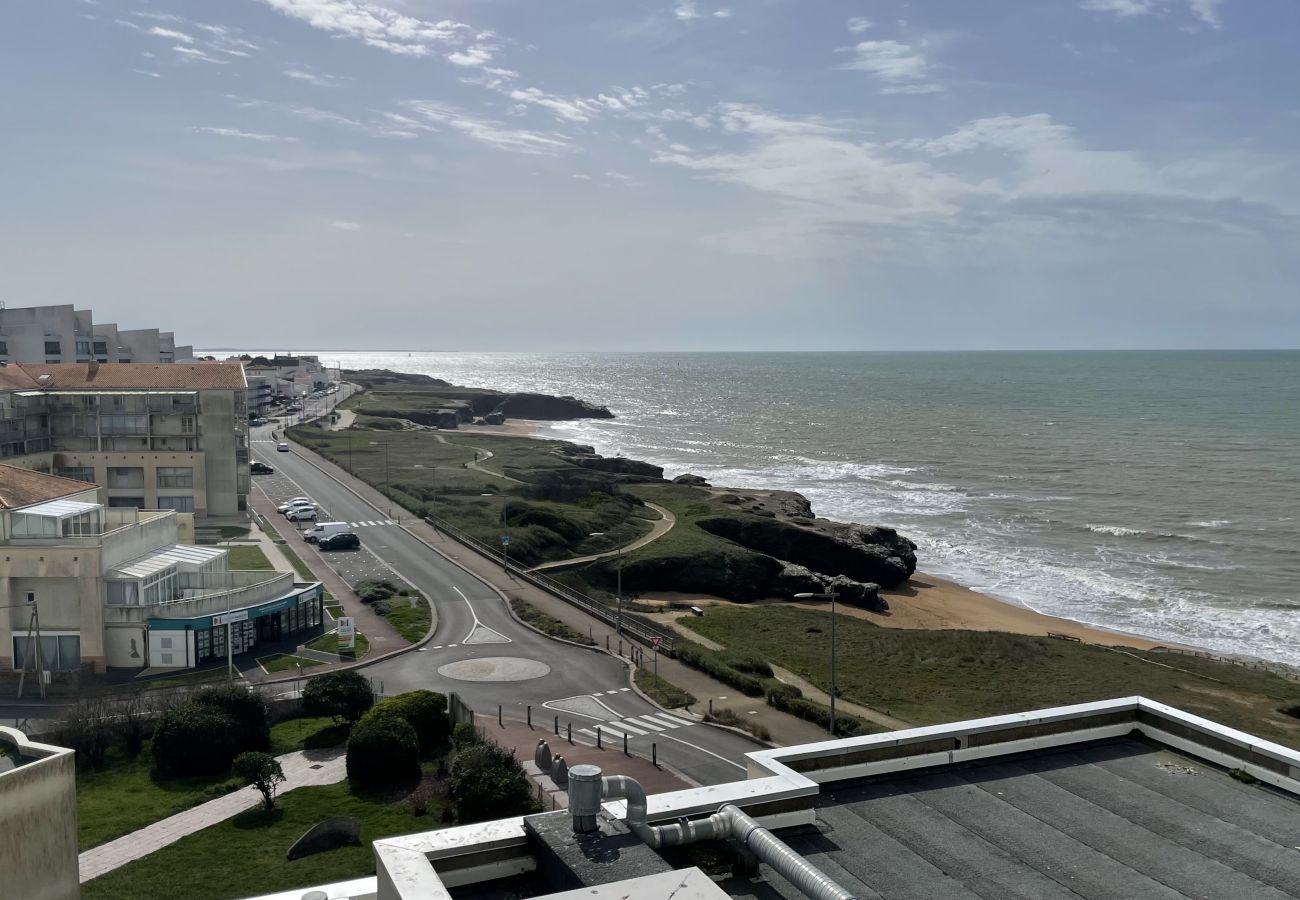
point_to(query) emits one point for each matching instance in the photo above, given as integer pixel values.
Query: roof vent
(44, 379)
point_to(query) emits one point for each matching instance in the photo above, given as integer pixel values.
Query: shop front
(189, 642)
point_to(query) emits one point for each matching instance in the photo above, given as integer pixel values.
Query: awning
(301, 594)
(185, 557)
(60, 509)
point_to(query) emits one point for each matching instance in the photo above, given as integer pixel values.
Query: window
(126, 503)
(166, 659)
(165, 643)
(123, 593)
(175, 477)
(4, 347)
(58, 652)
(83, 347)
(132, 477)
(101, 349)
(180, 504)
(124, 424)
(53, 348)
(77, 473)
(187, 424)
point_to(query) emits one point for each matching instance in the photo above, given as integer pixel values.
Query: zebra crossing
(372, 522)
(637, 726)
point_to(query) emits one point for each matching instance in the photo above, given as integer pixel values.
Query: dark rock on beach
(694, 480)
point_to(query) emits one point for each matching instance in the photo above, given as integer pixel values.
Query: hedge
(382, 749)
(715, 664)
(252, 729)
(194, 739)
(424, 711)
(788, 698)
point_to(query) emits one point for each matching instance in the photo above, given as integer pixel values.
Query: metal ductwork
(587, 790)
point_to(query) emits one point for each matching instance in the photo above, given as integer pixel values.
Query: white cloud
(859, 24)
(301, 111)
(245, 135)
(171, 35)
(486, 131)
(685, 10)
(146, 73)
(1205, 11)
(476, 55)
(198, 55)
(344, 225)
(723, 13)
(376, 25)
(570, 110)
(901, 68)
(315, 78)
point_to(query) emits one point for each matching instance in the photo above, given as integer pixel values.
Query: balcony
(208, 595)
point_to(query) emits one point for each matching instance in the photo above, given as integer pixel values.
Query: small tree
(262, 771)
(488, 782)
(344, 696)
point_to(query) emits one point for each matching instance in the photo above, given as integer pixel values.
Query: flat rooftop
(1120, 819)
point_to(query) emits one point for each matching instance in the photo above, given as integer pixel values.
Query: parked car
(282, 447)
(301, 514)
(260, 468)
(324, 530)
(293, 501)
(343, 540)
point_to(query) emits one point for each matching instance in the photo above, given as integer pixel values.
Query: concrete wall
(38, 823)
(223, 433)
(150, 462)
(125, 646)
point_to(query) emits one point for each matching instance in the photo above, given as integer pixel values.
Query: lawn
(124, 796)
(329, 643)
(929, 677)
(248, 556)
(245, 856)
(285, 662)
(306, 733)
(412, 620)
(661, 691)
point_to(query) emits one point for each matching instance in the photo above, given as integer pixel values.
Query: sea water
(1151, 492)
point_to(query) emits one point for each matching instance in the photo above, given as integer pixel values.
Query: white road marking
(625, 725)
(477, 624)
(645, 722)
(621, 690)
(673, 721)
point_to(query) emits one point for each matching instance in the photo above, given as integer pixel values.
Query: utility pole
(831, 596)
(33, 647)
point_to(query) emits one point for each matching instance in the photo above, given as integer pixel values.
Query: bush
(194, 739)
(248, 710)
(778, 694)
(715, 665)
(791, 700)
(372, 591)
(747, 663)
(424, 711)
(344, 696)
(382, 749)
(464, 734)
(487, 782)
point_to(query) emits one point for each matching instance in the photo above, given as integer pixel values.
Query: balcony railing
(260, 587)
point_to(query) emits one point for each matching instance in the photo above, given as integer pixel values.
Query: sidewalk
(784, 728)
(302, 768)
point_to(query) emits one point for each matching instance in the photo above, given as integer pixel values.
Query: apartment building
(171, 436)
(64, 334)
(117, 588)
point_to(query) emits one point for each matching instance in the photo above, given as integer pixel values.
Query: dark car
(261, 468)
(343, 540)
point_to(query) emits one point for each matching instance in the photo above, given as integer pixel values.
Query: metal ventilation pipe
(728, 822)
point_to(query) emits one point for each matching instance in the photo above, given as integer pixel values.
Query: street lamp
(832, 596)
(385, 446)
(619, 595)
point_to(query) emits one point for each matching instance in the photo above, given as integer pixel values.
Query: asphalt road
(482, 653)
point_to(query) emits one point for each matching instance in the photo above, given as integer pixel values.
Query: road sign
(347, 633)
(227, 618)
(505, 540)
(655, 642)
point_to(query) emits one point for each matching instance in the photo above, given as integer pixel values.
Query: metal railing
(632, 627)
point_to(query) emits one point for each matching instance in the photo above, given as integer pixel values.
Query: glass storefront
(268, 623)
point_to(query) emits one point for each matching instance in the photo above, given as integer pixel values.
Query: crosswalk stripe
(611, 730)
(645, 722)
(611, 692)
(628, 726)
(587, 731)
(672, 721)
(624, 689)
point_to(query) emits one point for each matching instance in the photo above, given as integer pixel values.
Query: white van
(325, 529)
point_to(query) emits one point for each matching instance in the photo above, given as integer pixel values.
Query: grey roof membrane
(1125, 819)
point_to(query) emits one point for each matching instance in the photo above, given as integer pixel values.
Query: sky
(657, 174)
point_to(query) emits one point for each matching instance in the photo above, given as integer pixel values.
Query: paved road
(481, 652)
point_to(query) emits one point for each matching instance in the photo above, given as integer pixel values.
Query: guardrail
(641, 631)
(1279, 669)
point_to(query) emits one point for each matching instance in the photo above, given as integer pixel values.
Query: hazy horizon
(853, 174)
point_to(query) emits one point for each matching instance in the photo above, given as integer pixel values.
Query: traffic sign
(505, 540)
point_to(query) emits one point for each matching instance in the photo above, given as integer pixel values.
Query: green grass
(245, 856)
(661, 691)
(411, 622)
(248, 557)
(329, 643)
(928, 677)
(306, 733)
(269, 530)
(548, 624)
(124, 796)
(284, 662)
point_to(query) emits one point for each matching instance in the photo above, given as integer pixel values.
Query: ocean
(1148, 492)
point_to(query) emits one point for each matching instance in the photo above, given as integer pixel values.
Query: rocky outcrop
(544, 406)
(770, 504)
(619, 465)
(796, 579)
(861, 553)
(369, 377)
(693, 480)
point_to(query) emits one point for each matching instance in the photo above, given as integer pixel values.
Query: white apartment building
(153, 436)
(64, 334)
(117, 588)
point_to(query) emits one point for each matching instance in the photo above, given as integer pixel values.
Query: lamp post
(619, 594)
(832, 596)
(385, 446)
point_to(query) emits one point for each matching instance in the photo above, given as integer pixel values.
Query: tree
(262, 771)
(344, 696)
(425, 711)
(487, 782)
(247, 709)
(194, 740)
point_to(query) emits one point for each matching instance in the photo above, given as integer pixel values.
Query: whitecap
(1115, 530)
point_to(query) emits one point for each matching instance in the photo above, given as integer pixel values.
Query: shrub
(779, 694)
(194, 739)
(344, 696)
(464, 734)
(747, 663)
(715, 665)
(424, 711)
(796, 705)
(262, 771)
(372, 590)
(382, 749)
(248, 710)
(487, 782)
(88, 729)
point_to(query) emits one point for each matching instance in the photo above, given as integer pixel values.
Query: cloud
(246, 135)
(723, 13)
(376, 25)
(859, 24)
(685, 10)
(570, 110)
(476, 55)
(486, 131)
(1205, 11)
(168, 33)
(315, 78)
(901, 68)
(301, 111)
(198, 55)
(146, 73)
(344, 225)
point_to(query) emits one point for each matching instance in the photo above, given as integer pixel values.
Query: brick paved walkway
(302, 768)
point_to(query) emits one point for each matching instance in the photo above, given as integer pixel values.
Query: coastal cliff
(433, 402)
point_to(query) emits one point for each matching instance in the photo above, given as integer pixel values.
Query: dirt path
(661, 527)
